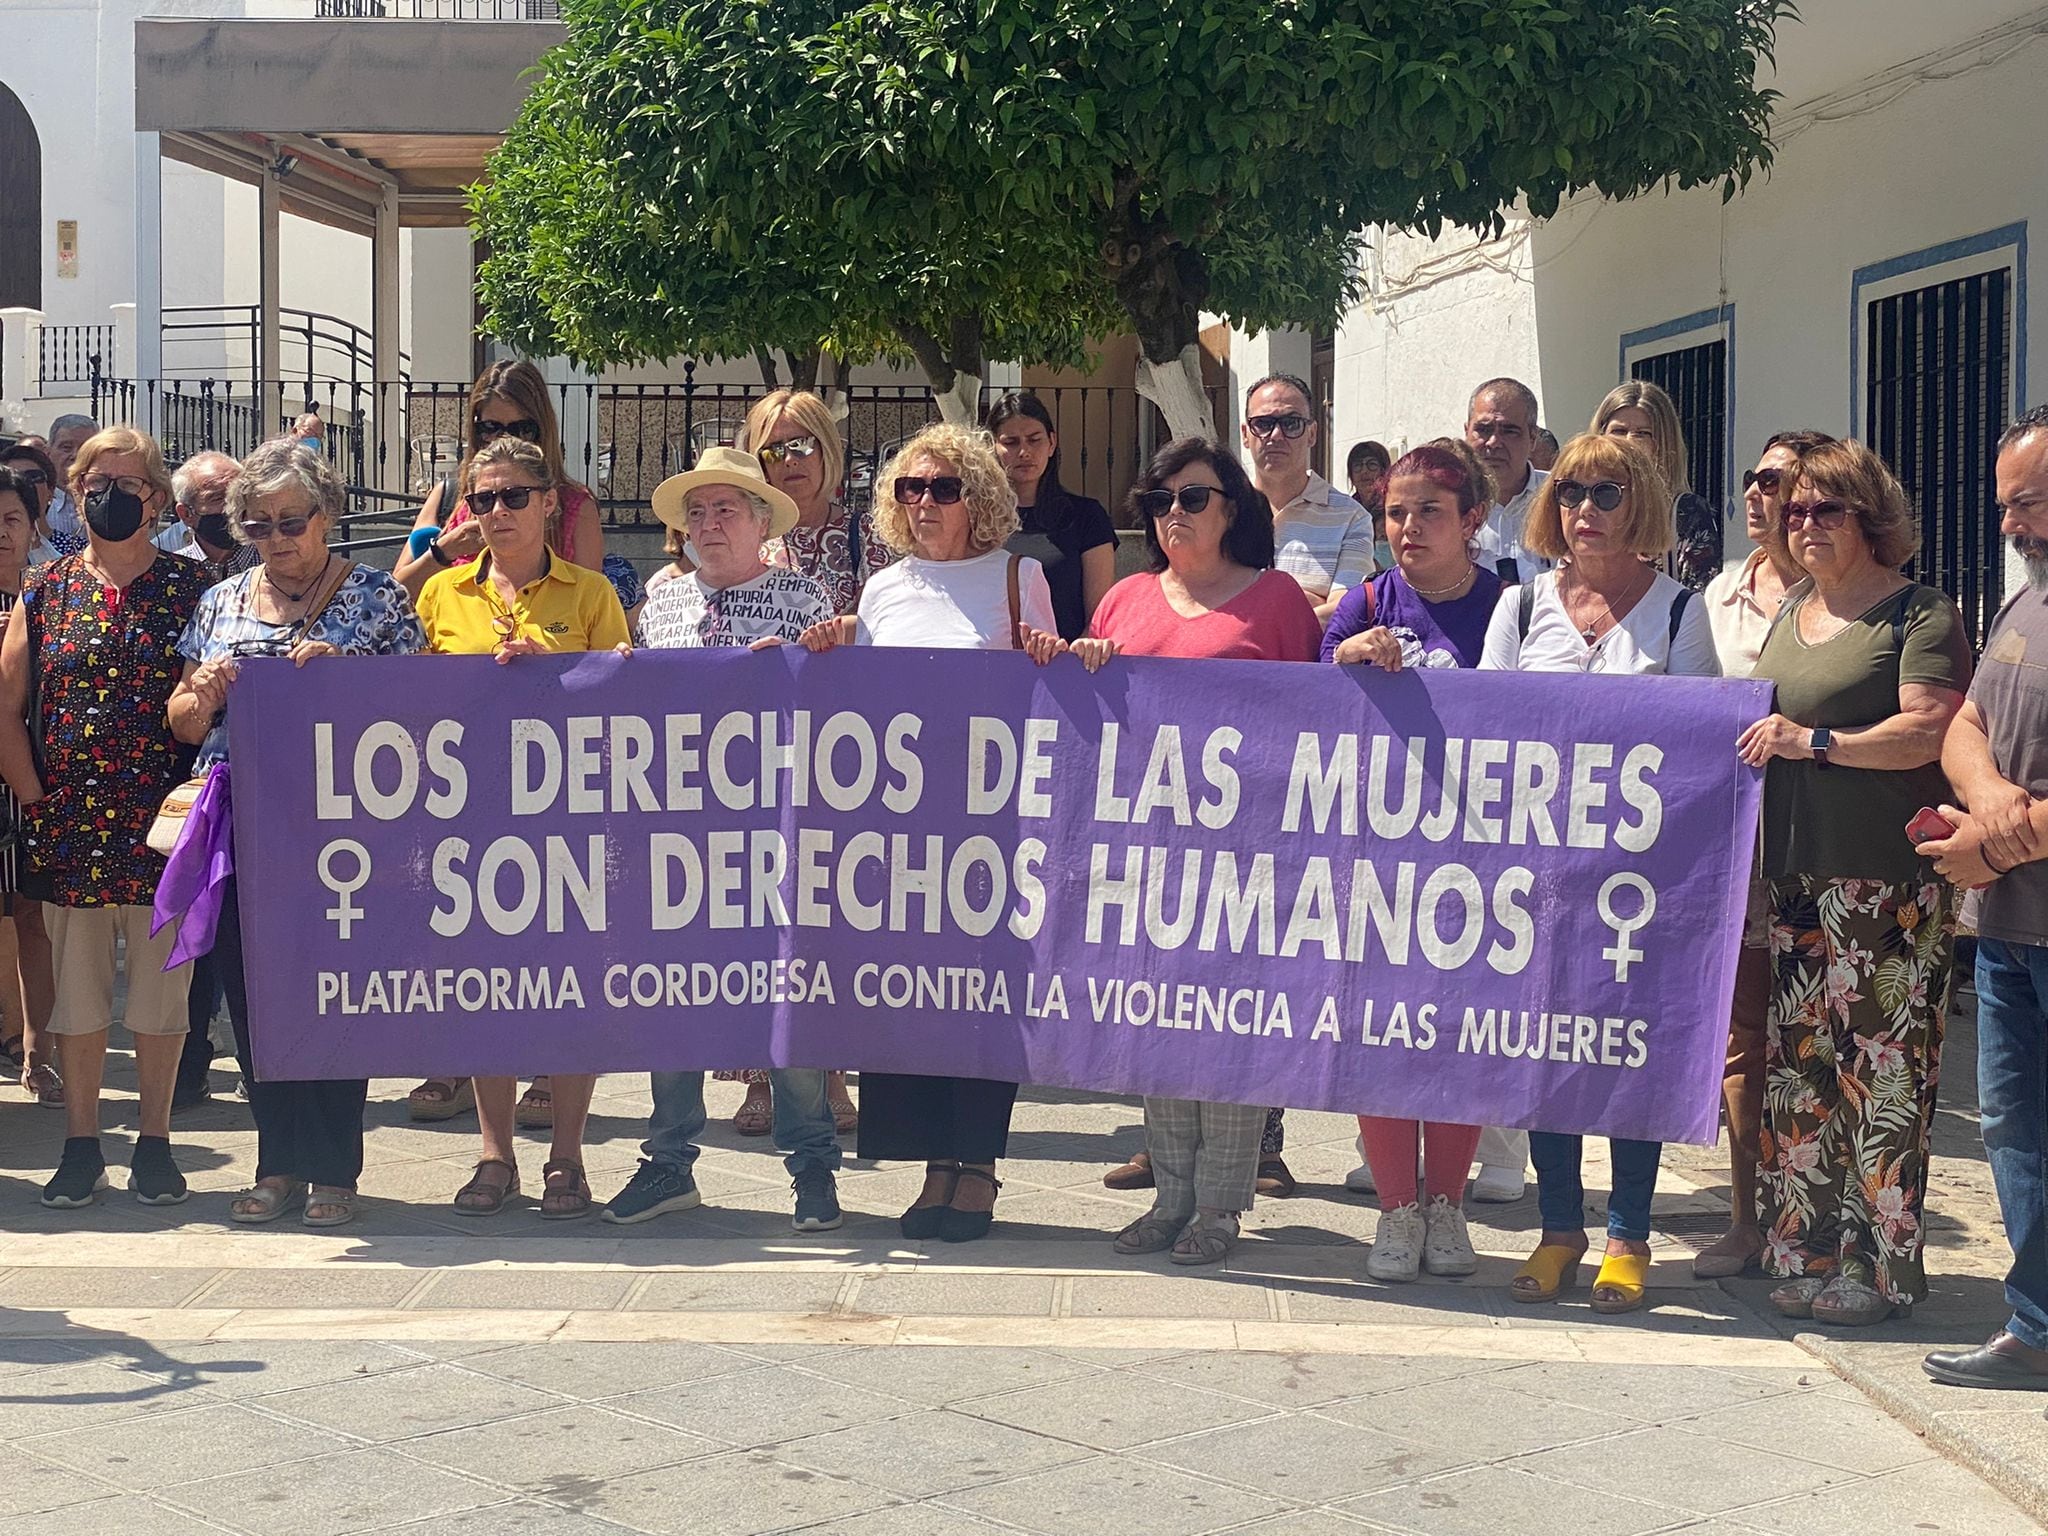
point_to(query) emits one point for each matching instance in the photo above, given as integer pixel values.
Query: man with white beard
(1996, 757)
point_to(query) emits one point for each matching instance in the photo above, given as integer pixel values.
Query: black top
(1056, 533)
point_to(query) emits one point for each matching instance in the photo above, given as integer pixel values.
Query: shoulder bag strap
(1016, 600)
(1525, 610)
(1677, 615)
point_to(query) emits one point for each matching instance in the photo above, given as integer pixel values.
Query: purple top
(1448, 634)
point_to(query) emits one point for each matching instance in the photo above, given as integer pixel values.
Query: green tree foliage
(1000, 178)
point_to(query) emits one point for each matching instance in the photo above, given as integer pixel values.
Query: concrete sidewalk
(714, 1372)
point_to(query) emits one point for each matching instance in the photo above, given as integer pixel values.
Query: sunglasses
(793, 448)
(1823, 514)
(1192, 499)
(945, 489)
(31, 476)
(1289, 426)
(505, 625)
(515, 498)
(283, 528)
(488, 430)
(1765, 480)
(133, 485)
(1606, 494)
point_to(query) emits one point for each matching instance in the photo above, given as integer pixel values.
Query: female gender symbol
(1621, 951)
(345, 913)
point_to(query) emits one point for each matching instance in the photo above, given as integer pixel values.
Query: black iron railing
(202, 340)
(65, 352)
(621, 440)
(442, 10)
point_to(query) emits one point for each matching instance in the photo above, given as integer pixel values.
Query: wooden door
(21, 206)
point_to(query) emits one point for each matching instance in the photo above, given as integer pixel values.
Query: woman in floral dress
(1870, 667)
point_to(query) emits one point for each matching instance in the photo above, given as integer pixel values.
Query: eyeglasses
(791, 448)
(1823, 514)
(515, 498)
(134, 485)
(488, 430)
(283, 528)
(1289, 426)
(1765, 480)
(1192, 499)
(1606, 494)
(944, 489)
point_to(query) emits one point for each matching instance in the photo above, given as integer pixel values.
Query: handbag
(171, 816)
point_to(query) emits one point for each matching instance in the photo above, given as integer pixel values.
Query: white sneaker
(1498, 1186)
(1447, 1246)
(1397, 1246)
(1359, 1180)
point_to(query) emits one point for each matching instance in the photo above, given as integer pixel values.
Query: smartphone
(1927, 825)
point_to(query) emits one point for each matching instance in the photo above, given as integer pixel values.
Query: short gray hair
(282, 465)
(1513, 389)
(757, 504)
(73, 422)
(198, 466)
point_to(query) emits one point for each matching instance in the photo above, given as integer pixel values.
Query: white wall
(1444, 315)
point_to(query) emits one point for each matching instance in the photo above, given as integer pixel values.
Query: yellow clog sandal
(1619, 1285)
(1552, 1269)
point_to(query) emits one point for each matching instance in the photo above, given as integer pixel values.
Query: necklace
(1590, 632)
(295, 598)
(1461, 584)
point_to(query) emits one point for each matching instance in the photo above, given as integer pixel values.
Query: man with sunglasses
(1322, 537)
(1500, 427)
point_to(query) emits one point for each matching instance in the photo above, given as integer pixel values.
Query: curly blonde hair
(991, 503)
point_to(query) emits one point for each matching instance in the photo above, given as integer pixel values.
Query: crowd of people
(1905, 783)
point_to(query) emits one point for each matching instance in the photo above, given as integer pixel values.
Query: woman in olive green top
(1870, 667)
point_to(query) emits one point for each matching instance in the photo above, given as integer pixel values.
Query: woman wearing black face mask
(89, 662)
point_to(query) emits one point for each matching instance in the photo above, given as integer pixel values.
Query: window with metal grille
(1696, 379)
(1937, 388)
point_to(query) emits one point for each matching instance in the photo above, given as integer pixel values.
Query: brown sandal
(756, 1117)
(535, 1110)
(565, 1192)
(42, 1084)
(1136, 1174)
(483, 1197)
(440, 1098)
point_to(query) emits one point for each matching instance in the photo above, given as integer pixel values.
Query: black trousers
(201, 999)
(304, 1130)
(906, 1119)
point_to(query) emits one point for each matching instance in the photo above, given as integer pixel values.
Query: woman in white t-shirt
(1604, 515)
(945, 503)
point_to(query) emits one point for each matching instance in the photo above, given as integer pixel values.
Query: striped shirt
(1323, 539)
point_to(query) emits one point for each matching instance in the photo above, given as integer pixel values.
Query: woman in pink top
(1211, 592)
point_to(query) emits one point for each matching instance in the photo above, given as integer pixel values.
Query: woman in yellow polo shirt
(519, 599)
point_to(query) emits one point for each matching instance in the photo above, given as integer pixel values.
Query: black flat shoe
(923, 1221)
(2014, 1368)
(966, 1226)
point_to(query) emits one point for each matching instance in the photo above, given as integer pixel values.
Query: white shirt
(956, 605)
(63, 514)
(1739, 621)
(1500, 536)
(1323, 539)
(1641, 643)
(179, 540)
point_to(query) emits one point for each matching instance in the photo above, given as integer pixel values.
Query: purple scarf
(196, 877)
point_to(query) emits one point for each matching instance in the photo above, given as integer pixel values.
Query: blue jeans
(1561, 1186)
(803, 1119)
(2012, 1097)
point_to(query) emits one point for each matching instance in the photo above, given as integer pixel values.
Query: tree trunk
(1176, 388)
(765, 361)
(954, 367)
(803, 368)
(1161, 284)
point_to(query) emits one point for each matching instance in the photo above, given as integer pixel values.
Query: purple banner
(1495, 898)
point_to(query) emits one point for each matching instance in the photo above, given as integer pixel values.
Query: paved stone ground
(713, 1372)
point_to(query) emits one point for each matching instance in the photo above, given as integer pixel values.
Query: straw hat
(723, 466)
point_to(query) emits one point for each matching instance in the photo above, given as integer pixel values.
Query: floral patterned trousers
(1860, 973)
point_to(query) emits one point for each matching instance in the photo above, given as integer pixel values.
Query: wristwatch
(440, 555)
(1819, 743)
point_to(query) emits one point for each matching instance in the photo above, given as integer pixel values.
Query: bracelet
(1993, 867)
